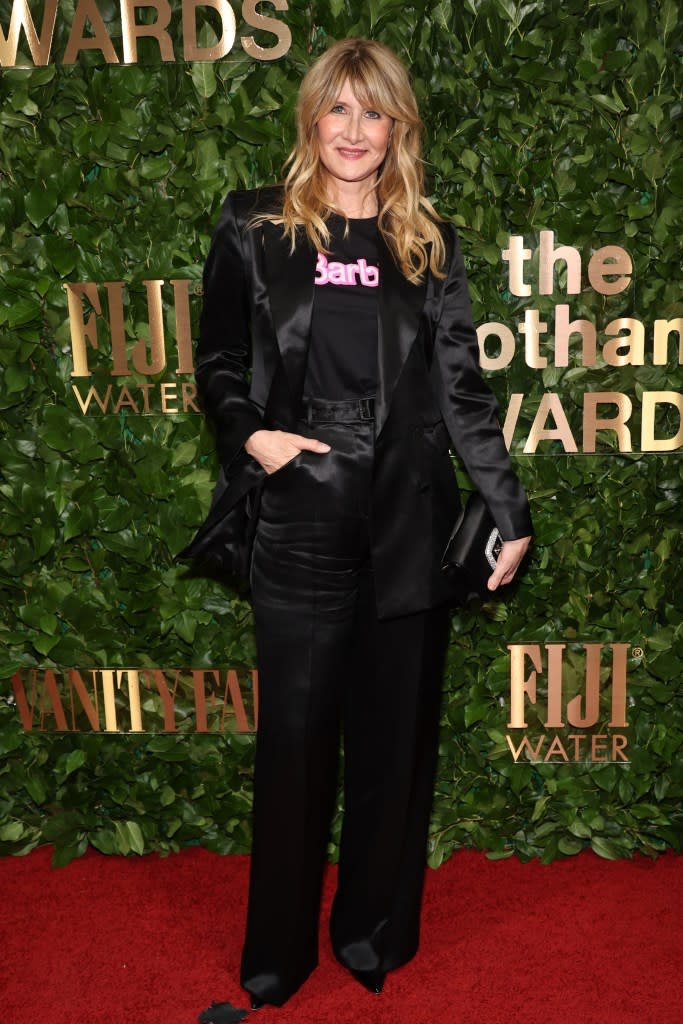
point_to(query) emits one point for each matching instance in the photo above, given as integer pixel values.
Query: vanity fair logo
(125, 700)
(345, 273)
(569, 705)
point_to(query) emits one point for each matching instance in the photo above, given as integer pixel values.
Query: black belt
(352, 410)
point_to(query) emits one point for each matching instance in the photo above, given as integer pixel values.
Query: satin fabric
(250, 369)
(326, 659)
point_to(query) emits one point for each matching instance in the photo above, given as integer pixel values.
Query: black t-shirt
(342, 358)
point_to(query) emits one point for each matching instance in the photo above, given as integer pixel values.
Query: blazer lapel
(290, 279)
(400, 305)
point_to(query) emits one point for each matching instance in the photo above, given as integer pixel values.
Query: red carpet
(111, 940)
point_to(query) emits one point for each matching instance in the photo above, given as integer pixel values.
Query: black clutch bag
(473, 546)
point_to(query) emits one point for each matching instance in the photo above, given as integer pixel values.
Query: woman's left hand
(511, 554)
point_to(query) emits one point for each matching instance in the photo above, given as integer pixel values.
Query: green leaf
(185, 454)
(36, 789)
(669, 17)
(40, 203)
(605, 848)
(155, 167)
(569, 846)
(539, 807)
(204, 79)
(470, 160)
(62, 254)
(23, 312)
(11, 832)
(579, 829)
(73, 761)
(122, 837)
(103, 841)
(167, 796)
(475, 713)
(16, 379)
(44, 644)
(64, 853)
(137, 843)
(611, 103)
(49, 623)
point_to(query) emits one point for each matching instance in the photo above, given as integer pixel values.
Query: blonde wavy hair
(406, 218)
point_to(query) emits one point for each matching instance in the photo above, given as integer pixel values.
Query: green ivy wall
(539, 116)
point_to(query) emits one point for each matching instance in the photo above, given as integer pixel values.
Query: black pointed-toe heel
(373, 981)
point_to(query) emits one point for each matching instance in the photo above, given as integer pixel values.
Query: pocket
(436, 465)
(294, 461)
(437, 437)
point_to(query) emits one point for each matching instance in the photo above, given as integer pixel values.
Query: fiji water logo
(569, 705)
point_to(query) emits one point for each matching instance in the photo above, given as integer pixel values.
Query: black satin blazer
(250, 367)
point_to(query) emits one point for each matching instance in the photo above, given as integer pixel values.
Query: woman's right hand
(273, 449)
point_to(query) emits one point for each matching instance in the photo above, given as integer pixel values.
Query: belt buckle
(366, 408)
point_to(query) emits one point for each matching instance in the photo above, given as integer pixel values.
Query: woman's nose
(354, 128)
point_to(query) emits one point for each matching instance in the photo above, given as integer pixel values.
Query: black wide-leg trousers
(327, 662)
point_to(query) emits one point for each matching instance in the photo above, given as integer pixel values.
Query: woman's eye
(373, 113)
(338, 108)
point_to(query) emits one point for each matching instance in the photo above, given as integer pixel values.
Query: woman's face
(353, 139)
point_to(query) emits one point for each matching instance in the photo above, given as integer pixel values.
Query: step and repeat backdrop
(129, 685)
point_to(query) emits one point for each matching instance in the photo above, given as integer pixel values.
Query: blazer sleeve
(223, 357)
(468, 406)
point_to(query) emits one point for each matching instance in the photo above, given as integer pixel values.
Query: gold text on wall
(570, 351)
(125, 700)
(568, 702)
(27, 41)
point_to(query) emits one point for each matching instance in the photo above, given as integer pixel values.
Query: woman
(338, 362)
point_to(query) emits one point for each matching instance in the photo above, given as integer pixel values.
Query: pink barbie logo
(345, 273)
